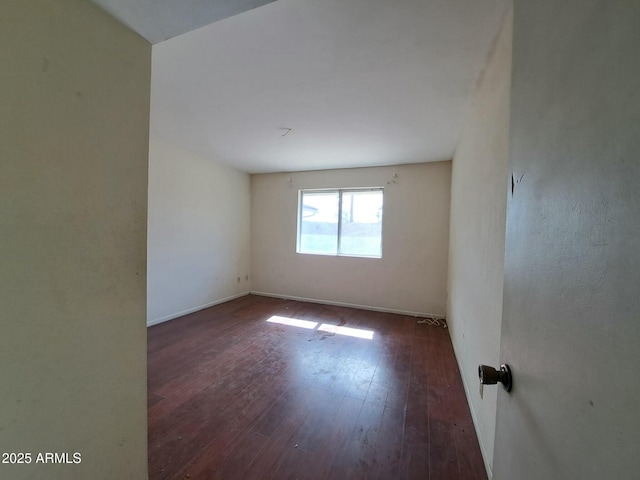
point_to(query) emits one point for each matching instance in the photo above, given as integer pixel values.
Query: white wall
(73, 189)
(476, 248)
(410, 276)
(571, 316)
(198, 232)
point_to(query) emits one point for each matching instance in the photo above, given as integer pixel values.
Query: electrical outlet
(246, 277)
(238, 279)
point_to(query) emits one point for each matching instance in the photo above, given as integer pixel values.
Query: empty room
(300, 152)
(319, 239)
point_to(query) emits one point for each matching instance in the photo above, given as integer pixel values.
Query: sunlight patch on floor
(325, 327)
(351, 332)
(293, 322)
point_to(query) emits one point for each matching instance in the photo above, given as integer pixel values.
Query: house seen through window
(344, 221)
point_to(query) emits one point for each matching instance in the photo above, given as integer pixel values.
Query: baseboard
(467, 392)
(350, 305)
(166, 318)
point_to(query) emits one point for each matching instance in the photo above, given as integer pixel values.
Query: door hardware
(490, 376)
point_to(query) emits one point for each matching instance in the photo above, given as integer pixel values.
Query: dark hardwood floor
(233, 396)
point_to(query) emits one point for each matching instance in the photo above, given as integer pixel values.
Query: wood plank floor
(233, 396)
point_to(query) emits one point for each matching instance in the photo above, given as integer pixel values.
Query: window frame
(340, 191)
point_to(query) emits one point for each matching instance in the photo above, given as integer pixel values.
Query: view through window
(341, 222)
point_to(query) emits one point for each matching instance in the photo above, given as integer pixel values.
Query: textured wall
(73, 190)
(199, 227)
(410, 276)
(476, 246)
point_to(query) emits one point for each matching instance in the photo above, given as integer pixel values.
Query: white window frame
(340, 192)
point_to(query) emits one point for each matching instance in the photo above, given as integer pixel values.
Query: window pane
(361, 232)
(319, 222)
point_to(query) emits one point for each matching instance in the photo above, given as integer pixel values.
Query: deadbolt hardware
(490, 376)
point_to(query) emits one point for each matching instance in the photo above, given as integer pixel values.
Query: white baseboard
(350, 305)
(467, 392)
(166, 318)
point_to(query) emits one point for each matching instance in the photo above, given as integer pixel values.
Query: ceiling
(306, 84)
(158, 20)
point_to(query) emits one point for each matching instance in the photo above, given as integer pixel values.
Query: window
(345, 221)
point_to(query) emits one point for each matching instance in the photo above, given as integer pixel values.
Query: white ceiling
(358, 82)
(158, 20)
